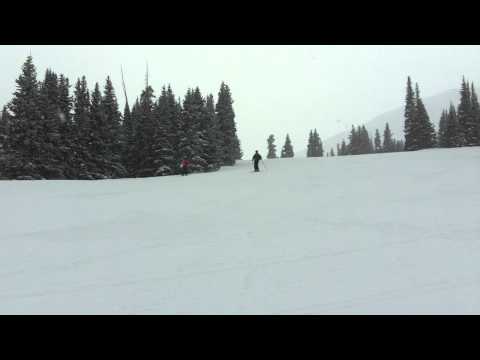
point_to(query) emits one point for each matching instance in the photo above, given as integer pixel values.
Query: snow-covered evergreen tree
(193, 141)
(378, 142)
(424, 127)
(366, 146)
(145, 134)
(227, 126)
(315, 145)
(464, 116)
(215, 135)
(82, 129)
(26, 128)
(310, 144)
(67, 130)
(205, 151)
(442, 130)
(272, 149)
(287, 150)
(474, 131)
(162, 152)
(353, 142)
(453, 134)
(112, 131)
(388, 142)
(128, 144)
(411, 142)
(51, 159)
(4, 129)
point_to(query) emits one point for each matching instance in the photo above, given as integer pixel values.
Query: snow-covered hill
(395, 118)
(386, 233)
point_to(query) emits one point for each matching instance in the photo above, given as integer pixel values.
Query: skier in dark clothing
(256, 158)
(184, 167)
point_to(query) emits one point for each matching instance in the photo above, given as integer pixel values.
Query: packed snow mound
(391, 233)
(396, 119)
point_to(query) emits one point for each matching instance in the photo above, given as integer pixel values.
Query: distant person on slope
(256, 158)
(184, 167)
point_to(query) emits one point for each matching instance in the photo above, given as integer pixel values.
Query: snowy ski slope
(395, 233)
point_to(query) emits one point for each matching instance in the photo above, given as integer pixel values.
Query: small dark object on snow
(256, 158)
(184, 167)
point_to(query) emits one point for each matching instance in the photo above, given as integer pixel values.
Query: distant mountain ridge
(395, 118)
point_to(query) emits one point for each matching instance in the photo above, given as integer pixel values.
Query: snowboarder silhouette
(184, 167)
(256, 158)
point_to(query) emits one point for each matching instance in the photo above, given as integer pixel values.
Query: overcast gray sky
(276, 89)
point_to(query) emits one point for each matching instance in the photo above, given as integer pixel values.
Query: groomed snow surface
(375, 234)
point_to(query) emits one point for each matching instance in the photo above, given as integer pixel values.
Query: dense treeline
(457, 126)
(46, 133)
(461, 126)
(360, 142)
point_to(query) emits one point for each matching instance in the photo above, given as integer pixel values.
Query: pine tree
(97, 137)
(353, 142)
(193, 143)
(365, 144)
(226, 120)
(442, 129)
(51, 161)
(81, 104)
(26, 128)
(83, 129)
(272, 151)
(321, 152)
(331, 152)
(344, 148)
(4, 129)
(185, 147)
(68, 136)
(378, 142)
(145, 134)
(205, 147)
(64, 99)
(310, 144)
(215, 136)
(339, 152)
(287, 150)
(128, 135)
(410, 112)
(453, 135)
(426, 131)
(474, 136)
(134, 157)
(388, 144)
(167, 112)
(317, 145)
(464, 116)
(162, 154)
(112, 131)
